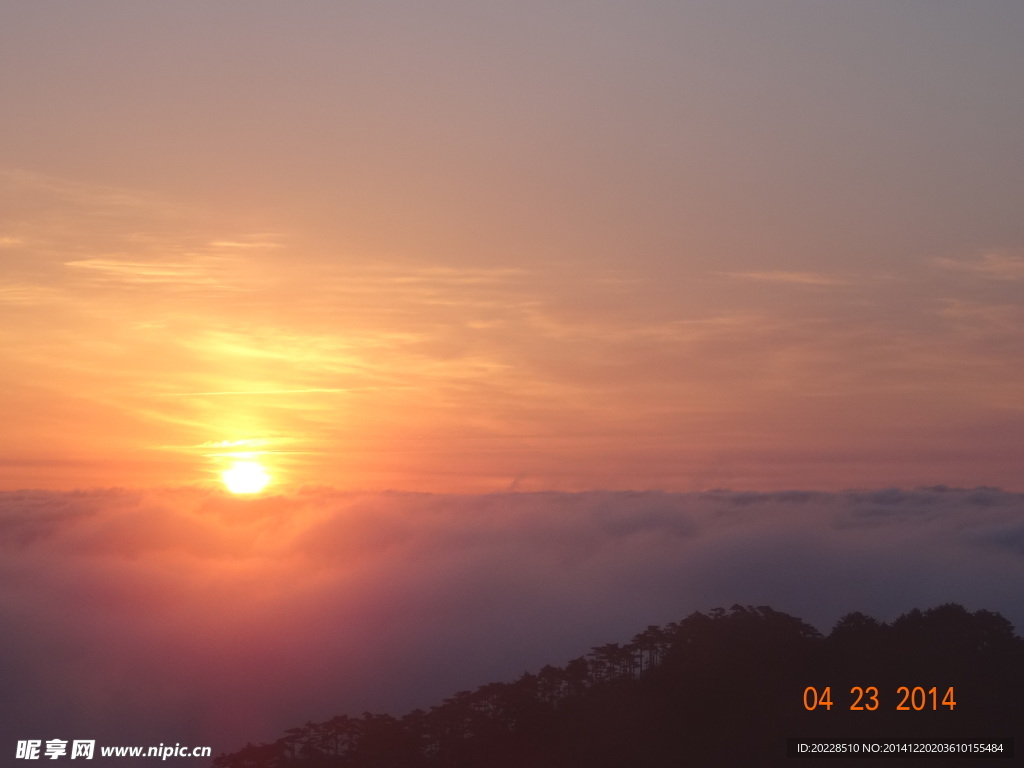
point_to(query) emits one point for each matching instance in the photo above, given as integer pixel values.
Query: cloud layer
(184, 615)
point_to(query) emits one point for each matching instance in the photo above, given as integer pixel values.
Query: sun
(245, 477)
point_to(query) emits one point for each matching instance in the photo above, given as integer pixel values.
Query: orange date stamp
(866, 699)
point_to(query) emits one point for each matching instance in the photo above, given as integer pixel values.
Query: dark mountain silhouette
(726, 688)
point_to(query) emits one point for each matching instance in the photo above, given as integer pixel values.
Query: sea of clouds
(185, 615)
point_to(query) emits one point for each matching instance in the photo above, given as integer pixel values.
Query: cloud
(255, 241)
(95, 196)
(992, 266)
(796, 278)
(152, 273)
(185, 615)
(26, 295)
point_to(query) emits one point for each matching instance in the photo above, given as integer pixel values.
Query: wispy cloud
(795, 278)
(145, 319)
(992, 266)
(261, 392)
(254, 241)
(202, 272)
(26, 294)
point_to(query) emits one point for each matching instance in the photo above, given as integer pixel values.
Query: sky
(547, 321)
(467, 247)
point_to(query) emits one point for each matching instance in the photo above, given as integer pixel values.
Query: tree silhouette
(726, 688)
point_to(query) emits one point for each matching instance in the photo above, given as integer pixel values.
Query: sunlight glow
(245, 477)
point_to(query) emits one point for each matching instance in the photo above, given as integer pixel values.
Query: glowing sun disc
(245, 477)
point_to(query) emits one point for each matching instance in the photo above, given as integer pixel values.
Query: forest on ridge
(723, 688)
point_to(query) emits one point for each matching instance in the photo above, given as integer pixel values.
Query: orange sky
(677, 249)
